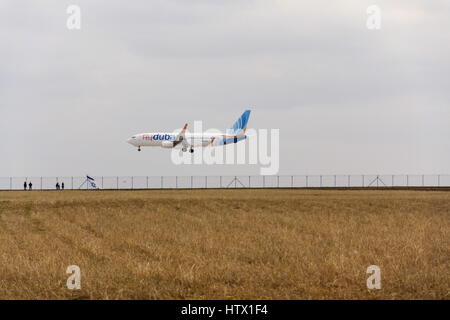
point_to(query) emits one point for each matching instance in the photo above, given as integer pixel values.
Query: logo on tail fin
(240, 126)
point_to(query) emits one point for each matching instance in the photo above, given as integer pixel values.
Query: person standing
(57, 186)
(30, 186)
(62, 186)
(25, 186)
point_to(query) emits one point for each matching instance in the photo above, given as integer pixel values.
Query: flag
(91, 181)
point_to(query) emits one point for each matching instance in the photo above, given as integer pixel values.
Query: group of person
(30, 186)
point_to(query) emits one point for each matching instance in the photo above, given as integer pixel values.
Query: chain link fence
(201, 182)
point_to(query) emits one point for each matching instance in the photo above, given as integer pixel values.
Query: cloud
(312, 69)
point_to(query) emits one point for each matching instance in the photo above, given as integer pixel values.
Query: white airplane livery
(189, 141)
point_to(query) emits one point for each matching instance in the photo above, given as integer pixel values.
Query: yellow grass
(225, 244)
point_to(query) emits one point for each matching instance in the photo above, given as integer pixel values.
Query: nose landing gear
(139, 148)
(191, 150)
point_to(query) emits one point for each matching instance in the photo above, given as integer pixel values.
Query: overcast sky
(346, 99)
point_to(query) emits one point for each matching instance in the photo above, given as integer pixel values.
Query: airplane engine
(167, 144)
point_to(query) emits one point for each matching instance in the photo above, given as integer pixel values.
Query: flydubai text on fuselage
(188, 141)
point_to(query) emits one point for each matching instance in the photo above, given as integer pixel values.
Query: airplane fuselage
(190, 141)
(168, 140)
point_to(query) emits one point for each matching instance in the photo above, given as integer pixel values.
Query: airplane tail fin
(240, 126)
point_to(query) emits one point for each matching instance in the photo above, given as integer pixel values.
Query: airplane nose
(133, 140)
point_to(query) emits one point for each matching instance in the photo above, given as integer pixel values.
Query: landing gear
(184, 149)
(191, 150)
(139, 148)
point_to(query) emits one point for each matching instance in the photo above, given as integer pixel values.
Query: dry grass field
(225, 244)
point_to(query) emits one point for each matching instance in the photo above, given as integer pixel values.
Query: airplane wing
(181, 138)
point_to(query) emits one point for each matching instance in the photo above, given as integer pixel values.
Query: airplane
(187, 141)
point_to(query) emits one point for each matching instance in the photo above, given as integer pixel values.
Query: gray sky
(346, 99)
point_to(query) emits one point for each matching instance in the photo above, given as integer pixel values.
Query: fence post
(335, 182)
(321, 181)
(264, 181)
(278, 181)
(220, 181)
(10, 183)
(407, 180)
(103, 184)
(363, 180)
(439, 180)
(348, 178)
(393, 180)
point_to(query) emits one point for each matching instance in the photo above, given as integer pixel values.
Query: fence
(200, 182)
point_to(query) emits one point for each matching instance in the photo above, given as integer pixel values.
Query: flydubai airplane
(187, 141)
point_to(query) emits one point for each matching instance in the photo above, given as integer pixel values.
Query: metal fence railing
(200, 182)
